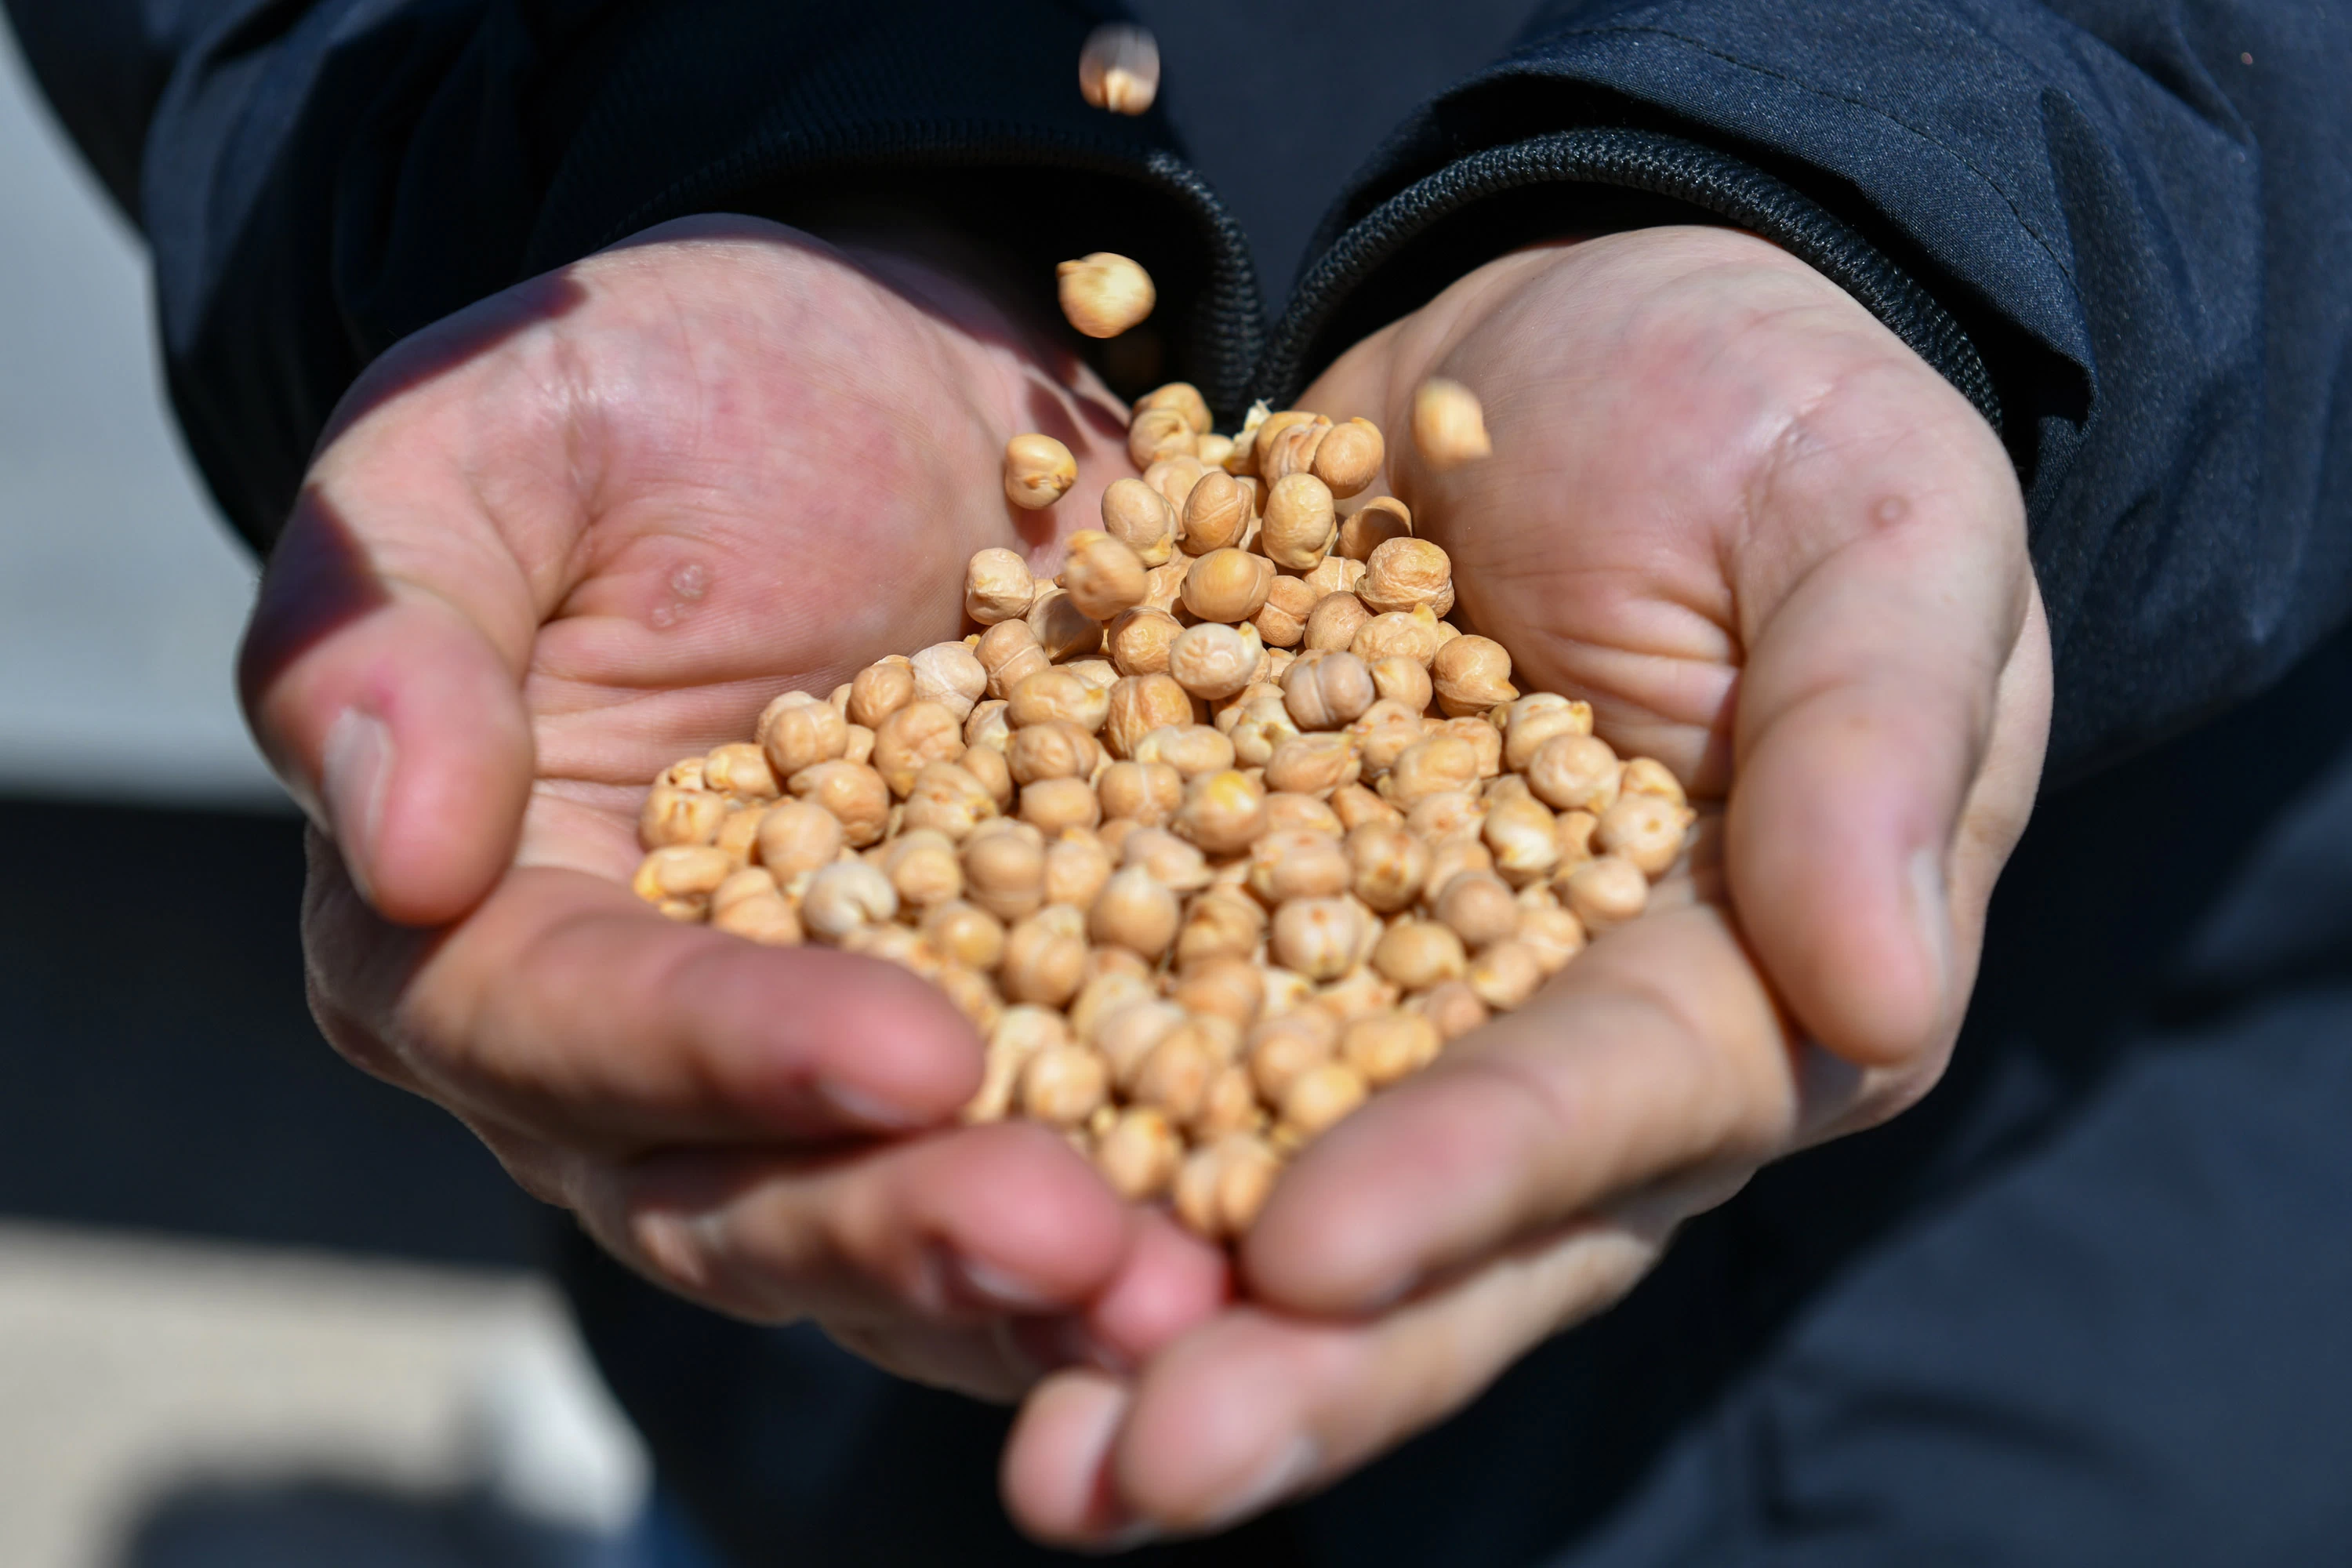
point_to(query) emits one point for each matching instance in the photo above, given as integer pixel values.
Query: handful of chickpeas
(1214, 835)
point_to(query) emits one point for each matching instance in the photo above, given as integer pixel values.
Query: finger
(563, 1007)
(1171, 1282)
(952, 1228)
(1887, 592)
(1257, 1408)
(1056, 1475)
(1657, 1051)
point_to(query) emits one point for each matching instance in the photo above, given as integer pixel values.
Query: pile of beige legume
(1212, 836)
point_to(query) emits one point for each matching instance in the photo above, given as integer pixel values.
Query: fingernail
(985, 1286)
(1286, 1473)
(1931, 909)
(1065, 1341)
(1143, 1532)
(354, 769)
(853, 1104)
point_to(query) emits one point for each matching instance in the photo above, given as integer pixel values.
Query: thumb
(389, 701)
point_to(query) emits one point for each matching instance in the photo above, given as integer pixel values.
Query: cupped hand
(1781, 553)
(554, 544)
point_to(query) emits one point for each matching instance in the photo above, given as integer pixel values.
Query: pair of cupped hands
(593, 523)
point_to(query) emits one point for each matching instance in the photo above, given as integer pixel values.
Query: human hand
(550, 545)
(1781, 553)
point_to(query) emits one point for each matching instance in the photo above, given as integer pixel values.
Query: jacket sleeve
(319, 178)
(2135, 213)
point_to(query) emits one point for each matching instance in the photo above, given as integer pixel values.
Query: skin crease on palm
(1774, 548)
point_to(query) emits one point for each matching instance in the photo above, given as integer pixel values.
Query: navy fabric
(2079, 1307)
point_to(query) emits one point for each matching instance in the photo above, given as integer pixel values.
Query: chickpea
(1052, 804)
(1356, 806)
(1126, 1036)
(1333, 622)
(1008, 652)
(1479, 907)
(1327, 690)
(1227, 585)
(1062, 1085)
(1385, 733)
(687, 772)
(802, 736)
(1449, 858)
(751, 882)
(1536, 719)
(1405, 681)
(1106, 990)
(1164, 584)
(1407, 573)
(1282, 1048)
(1175, 1076)
(1483, 739)
(673, 815)
(1184, 398)
(1077, 864)
(1051, 749)
(1061, 630)
(1139, 518)
(1349, 457)
(1373, 524)
(997, 586)
(683, 871)
(1259, 726)
(1297, 863)
(1471, 675)
(1038, 472)
(1388, 865)
(1576, 834)
(1230, 1107)
(1506, 974)
(1223, 812)
(1212, 660)
(965, 933)
(1606, 893)
(1191, 749)
(1140, 704)
(1174, 478)
(1396, 634)
(1300, 524)
(1575, 772)
(1214, 450)
(798, 837)
(1139, 640)
(1318, 938)
(881, 690)
(1286, 811)
(987, 767)
(1171, 862)
(1140, 1155)
(1431, 766)
(1044, 959)
(740, 770)
(1057, 695)
(915, 736)
(1155, 434)
(1134, 912)
(1321, 1097)
(1647, 776)
(1290, 448)
(1646, 829)
(1102, 575)
(1103, 294)
(860, 747)
(1388, 1046)
(1552, 934)
(1419, 955)
(1220, 1187)
(951, 674)
(768, 919)
(853, 793)
(1004, 872)
(1525, 840)
(1281, 621)
(1215, 513)
(1449, 429)
(1227, 988)
(923, 870)
(844, 896)
(1146, 793)
(1221, 925)
(1313, 766)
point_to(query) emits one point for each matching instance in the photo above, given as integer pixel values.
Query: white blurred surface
(120, 592)
(135, 1371)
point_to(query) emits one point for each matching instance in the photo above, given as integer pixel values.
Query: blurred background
(256, 1310)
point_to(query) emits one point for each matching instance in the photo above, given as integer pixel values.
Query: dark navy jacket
(2122, 226)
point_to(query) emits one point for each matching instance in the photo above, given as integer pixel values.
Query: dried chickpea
(1191, 749)
(1282, 619)
(673, 815)
(853, 793)
(1223, 812)
(860, 747)
(844, 896)
(1606, 893)
(1104, 294)
(1133, 911)
(1407, 573)
(987, 766)
(1388, 1046)
(1004, 872)
(1471, 675)
(1215, 513)
(1288, 446)
(1062, 1085)
(1146, 793)
(1575, 772)
(1321, 1097)
(1537, 718)
(1405, 681)
(1373, 524)
(1483, 739)
(1258, 727)
(1222, 1187)
(1282, 1048)
(923, 870)
(1552, 934)
(1297, 863)
(1171, 862)
(949, 674)
(1453, 1007)
(1213, 450)
(1174, 478)
(1356, 806)
(1107, 990)
(768, 919)
(1184, 398)
(965, 933)
(997, 585)
(687, 772)
(1020, 1033)
(1576, 833)
(802, 736)
(1140, 1155)
(798, 837)
(1449, 812)
(1058, 694)
(1213, 660)
(881, 690)
(1327, 690)
(1479, 907)
(1398, 634)
(739, 834)
(1038, 472)
(1647, 776)
(1286, 810)
(1051, 749)
(1139, 640)
(1318, 938)
(1077, 864)
(1646, 829)
(1044, 957)
(1449, 429)
(1156, 434)
(1102, 575)
(1052, 804)
(1227, 585)
(1127, 1035)
(1333, 622)
(1336, 574)
(1449, 858)
(1061, 629)
(740, 769)
(1139, 518)
(1229, 1108)
(1227, 988)
(1300, 524)
(1388, 865)
(1008, 652)
(1176, 1074)
(682, 871)
(919, 734)
(1164, 584)
(1506, 974)
(1140, 704)
(1387, 730)
(1349, 456)
(1417, 955)
(1525, 840)
(1313, 764)
(1429, 766)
